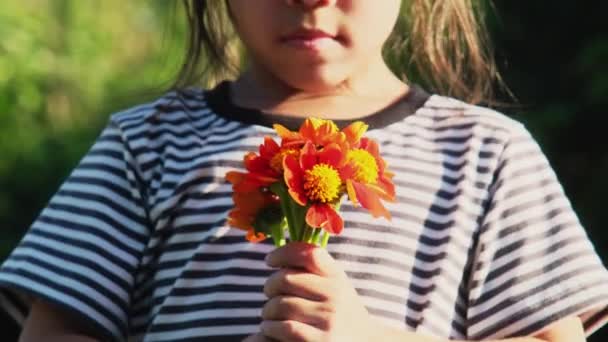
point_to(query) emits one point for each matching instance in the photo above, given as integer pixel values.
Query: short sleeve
(534, 263)
(82, 252)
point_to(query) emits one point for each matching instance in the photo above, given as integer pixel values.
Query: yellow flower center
(322, 183)
(367, 169)
(276, 163)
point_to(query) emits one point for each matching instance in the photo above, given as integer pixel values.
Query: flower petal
(255, 181)
(253, 237)
(284, 132)
(322, 215)
(371, 146)
(363, 143)
(248, 182)
(332, 155)
(269, 148)
(238, 220)
(255, 163)
(388, 188)
(307, 130)
(308, 156)
(235, 177)
(335, 224)
(355, 131)
(352, 195)
(369, 200)
(293, 179)
(325, 129)
(292, 143)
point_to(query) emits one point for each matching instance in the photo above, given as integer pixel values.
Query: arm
(311, 299)
(49, 323)
(568, 329)
(74, 252)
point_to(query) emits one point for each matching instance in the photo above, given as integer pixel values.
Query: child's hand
(311, 299)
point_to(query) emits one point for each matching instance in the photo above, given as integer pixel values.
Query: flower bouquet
(296, 186)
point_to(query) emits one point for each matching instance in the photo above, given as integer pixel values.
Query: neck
(372, 88)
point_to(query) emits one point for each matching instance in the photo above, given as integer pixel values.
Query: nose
(310, 3)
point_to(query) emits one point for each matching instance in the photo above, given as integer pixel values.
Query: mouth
(310, 38)
(305, 33)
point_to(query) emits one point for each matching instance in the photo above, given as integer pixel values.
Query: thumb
(304, 256)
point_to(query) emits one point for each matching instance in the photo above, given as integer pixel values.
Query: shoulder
(169, 128)
(450, 111)
(174, 120)
(171, 108)
(443, 113)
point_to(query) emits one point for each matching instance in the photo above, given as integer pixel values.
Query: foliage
(558, 71)
(64, 67)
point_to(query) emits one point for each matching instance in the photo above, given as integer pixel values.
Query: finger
(256, 338)
(288, 308)
(304, 255)
(259, 337)
(288, 281)
(291, 331)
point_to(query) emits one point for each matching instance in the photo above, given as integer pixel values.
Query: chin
(316, 80)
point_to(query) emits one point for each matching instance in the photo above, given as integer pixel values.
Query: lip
(312, 40)
(307, 34)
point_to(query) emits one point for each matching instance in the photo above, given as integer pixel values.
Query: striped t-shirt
(482, 242)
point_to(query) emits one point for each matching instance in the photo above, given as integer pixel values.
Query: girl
(483, 243)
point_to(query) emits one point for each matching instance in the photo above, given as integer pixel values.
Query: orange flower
(319, 131)
(248, 205)
(265, 168)
(367, 179)
(354, 132)
(314, 178)
(299, 184)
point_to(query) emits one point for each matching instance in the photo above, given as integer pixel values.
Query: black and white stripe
(483, 242)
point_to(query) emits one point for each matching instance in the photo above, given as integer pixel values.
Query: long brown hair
(442, 45)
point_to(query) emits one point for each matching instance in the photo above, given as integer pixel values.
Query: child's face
(314, 45)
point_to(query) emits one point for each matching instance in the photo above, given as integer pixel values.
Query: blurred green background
(66, 65)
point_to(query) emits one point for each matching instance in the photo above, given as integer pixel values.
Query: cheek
(371, 22)
(247, 19)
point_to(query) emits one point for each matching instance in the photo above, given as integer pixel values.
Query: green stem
(299, 212)
(309, 235)
(298, 220)
(285, 200)
(278, 235)
(289, 212)
(324, 239)
(315, 236)
(278, 242)
(337, 205)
